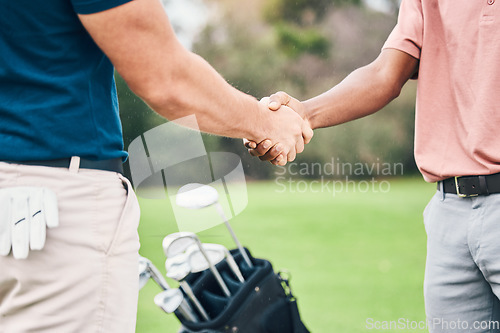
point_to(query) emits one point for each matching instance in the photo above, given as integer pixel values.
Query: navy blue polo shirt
(57, 91)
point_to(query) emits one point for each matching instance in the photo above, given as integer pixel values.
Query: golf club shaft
(158, 277)
(185, 309)
(234, 267)
(233, 235)
(189, 292)
(214, 270)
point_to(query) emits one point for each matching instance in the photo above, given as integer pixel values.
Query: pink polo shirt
(458, 96)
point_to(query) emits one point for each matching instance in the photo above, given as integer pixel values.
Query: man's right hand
(270, 150)
(288, 132)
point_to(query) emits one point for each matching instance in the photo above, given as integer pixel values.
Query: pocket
(126, 237)
(428, 210)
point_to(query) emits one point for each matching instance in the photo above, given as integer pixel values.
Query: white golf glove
(25, 212)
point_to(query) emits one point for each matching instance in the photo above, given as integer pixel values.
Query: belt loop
(74, 164)
(441, 188)
(483, 186)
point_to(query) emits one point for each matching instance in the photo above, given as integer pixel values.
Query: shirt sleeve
(408, 34)
(95, 6)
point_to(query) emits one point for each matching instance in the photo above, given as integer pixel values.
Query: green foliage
(295, 41)
(300, 12)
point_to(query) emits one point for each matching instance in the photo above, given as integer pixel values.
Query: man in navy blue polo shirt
(61, 152)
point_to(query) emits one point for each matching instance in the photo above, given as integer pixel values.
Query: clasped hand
(279, 149)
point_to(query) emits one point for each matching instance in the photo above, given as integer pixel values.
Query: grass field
(356, 259)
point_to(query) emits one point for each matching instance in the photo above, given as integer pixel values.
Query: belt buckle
(460, 194)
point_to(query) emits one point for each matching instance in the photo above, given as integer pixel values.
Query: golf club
(147, 270)
(179, 273)
(197, 196)
(216, 253)
(170, 241)
(169, 300)
(177, 260)
(176, 243)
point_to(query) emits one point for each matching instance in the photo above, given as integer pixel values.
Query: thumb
(278, 99)
(307, 132)
(249, 144)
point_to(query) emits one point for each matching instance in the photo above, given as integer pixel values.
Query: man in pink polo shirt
(453, 49)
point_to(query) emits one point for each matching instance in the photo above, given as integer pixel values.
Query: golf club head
(173, 262)
(170, 239)
(178, 242)
(196, 196)
(197, 260)
(179, 272)
(169, 300)
(144, 272)
(216, 254)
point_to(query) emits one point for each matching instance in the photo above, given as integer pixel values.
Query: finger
(272, 153)
(51, 208)
(278, 160)
(299, 146)
(261, 148)
(37, 214)
(20, 223)
(282, 162)
(253, 152)
(5, 224)
(307, 132)
(291, 155)
(278, 99)
(249, 144)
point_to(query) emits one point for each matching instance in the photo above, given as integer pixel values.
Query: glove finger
(20, 221)
(37, 215)
(50, 208)
(5, 224)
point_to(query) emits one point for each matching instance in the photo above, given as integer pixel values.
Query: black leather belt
(472, 186)
(115, 164)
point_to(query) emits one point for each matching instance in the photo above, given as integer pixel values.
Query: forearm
(188, 85)
(141, 43)
(363, 92)
(351, 99)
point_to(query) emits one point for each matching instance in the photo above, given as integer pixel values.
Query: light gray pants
(462, 276)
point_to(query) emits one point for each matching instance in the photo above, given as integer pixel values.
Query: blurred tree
(294, 41)
(301, 12)
(136, 116)
(296, 24)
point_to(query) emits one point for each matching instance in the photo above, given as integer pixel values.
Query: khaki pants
(86, 278)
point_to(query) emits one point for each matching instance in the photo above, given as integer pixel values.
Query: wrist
(257, 130)
(310, 114)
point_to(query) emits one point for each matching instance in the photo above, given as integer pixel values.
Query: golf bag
(262, 304)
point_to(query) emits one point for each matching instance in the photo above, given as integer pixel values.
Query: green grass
(352, 256)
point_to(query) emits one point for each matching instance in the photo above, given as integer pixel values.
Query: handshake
(286, 130)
